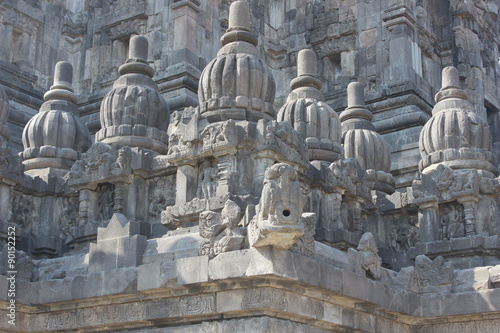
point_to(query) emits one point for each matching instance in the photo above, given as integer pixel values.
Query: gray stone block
(84, 286)
(229, 265)
(331, 278)
(54, 290)
(473, 279)
(192, 270)
(119, 281)
(157, 275)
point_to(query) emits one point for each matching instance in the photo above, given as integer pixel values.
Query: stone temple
(256, 166)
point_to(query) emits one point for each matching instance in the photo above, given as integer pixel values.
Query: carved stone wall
(231, 217)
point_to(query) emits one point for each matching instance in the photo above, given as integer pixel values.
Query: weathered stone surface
(148, 229)
(278, 221)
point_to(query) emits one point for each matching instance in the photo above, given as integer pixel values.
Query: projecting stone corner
(118, 245)
(279, 220)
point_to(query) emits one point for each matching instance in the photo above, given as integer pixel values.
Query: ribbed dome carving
(134, 113)
(55, 136)
(237, 84)
(55, 133)
(4, 114)
(455, 135)
(362, 142)
(314, 120)
(369, 148)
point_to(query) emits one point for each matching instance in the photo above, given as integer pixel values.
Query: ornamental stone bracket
(279, 219)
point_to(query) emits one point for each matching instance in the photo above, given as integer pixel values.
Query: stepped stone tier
(134, 113)
(455, 136)
(362, 142)
(315, 121)
(55, 136)
(195, 208)
(237, 84)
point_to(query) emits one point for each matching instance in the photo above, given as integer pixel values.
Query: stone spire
(237, 84)
(315, 121)
(4, 114)
(362, 142)
(455, 135)
(134, 113)
(55, 136)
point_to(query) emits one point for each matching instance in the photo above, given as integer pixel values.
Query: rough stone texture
(229, 218)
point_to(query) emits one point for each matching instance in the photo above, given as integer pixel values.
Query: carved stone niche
(279, 220)
(451, 221)
(96, 209)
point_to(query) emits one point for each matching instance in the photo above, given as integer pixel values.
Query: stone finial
(450, 88)
(306, 84)
(306, 63)
(450, 78)
(138, 56)
(138, 50)
(62, 88)
(356, 110)
(355, 95)
(239, 26)
(239, 16)
(63, 76)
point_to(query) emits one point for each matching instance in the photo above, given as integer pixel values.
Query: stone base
(464, 252)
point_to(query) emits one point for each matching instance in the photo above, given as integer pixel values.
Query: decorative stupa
(237, 84)
(55, 136)
(455, 136)
(362, 142)
(134, 113)
(314, 120)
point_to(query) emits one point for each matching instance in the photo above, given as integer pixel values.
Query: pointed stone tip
(239, 16)
(138, 48)
(355, 94)
(450, 78)
(63, 74)
(306, 63)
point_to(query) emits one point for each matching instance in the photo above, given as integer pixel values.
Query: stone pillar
(470, 203)
(330, 206)
(186, 184)
(185, 13)
(428, 219)
(261, 164)
(404, 52)
(226, 165)
(184, 61)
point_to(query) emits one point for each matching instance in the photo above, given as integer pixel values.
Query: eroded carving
(278, 221)
(221, 230)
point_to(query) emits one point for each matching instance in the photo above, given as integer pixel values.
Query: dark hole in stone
(286, 212)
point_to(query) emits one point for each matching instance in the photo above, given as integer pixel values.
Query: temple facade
(249, 166)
